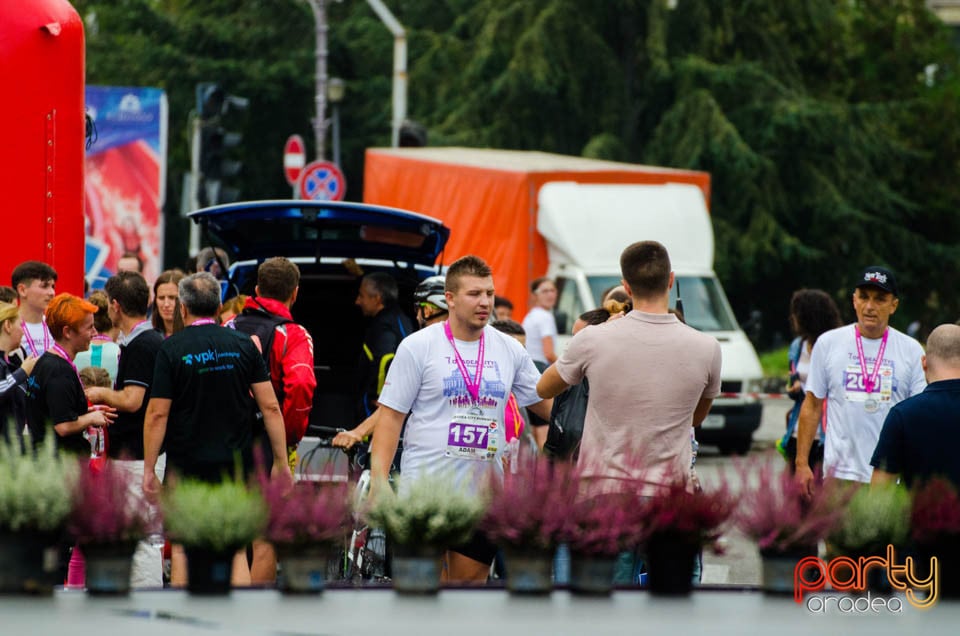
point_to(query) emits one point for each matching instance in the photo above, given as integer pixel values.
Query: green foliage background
(829, 144)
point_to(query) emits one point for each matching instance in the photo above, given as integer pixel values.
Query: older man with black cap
(857, 372)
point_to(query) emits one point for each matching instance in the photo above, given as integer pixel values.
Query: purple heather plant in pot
(526, 516)
(107, 518)
(530, 508)
(307, 523)
(600, 525)
(606, 513)
(773, 513)
(694, 517)
(935, 513)
(677, 523)
(308, 513)
(935, 529)
(604, 524)
(104, 511)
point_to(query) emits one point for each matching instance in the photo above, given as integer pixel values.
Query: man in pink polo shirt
(651, 378)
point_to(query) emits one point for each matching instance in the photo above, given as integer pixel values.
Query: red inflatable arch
(42, 131)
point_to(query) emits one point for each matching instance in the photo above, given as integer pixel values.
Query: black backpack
(261, 325)
(566, 422)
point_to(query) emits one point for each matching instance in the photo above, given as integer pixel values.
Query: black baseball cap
(879, 277)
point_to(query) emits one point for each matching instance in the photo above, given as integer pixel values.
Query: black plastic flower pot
(779, 568)
(529, 571)
(670, 563)
(108, 568)
(28, 563)
(416, 571)
(591, 574)
(208, 571)
(303, 568)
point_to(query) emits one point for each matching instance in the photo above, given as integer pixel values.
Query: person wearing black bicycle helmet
(429, 302)
(431, 306)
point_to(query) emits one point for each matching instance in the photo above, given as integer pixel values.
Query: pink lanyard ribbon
(46, 337)
(871, 381)
(63, 354)
(203, 321)
(473, 386)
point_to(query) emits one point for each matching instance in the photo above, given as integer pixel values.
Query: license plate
(713, 421)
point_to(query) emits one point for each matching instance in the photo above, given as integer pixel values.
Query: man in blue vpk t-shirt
(201, 405)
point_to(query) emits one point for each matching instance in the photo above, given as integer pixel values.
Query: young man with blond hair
(454, 378)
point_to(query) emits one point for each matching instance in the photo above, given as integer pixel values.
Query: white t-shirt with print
(36, 338)
(539, 324)
(446, 432)
(835, 374)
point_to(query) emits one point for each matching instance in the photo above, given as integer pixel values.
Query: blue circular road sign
(322, 181)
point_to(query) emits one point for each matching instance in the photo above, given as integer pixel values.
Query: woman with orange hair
(55, 395)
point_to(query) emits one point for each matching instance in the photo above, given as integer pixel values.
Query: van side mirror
(561, 318)
(753, 326)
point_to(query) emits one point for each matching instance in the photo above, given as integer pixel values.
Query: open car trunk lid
(261, 229)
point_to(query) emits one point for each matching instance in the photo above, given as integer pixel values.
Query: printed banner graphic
(124, 179)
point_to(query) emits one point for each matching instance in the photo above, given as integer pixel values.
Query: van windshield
(705, 306)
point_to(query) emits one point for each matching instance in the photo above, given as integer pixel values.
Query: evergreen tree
(827, 126)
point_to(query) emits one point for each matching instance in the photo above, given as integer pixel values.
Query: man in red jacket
(287, 346)
(288, 349)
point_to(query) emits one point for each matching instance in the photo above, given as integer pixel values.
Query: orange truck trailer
(489, 199)
(531, 214)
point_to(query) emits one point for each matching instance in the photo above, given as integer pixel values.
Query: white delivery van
(586, 226)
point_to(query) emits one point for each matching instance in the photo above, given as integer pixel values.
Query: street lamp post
(319, 8)
(320, 119)
(335, 91)
(399, 66)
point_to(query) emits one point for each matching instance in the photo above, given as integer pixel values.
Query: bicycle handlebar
(330, 431)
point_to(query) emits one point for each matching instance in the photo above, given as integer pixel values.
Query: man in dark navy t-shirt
(208, 385)
(920, 436)
(201, 405)
(128, 296)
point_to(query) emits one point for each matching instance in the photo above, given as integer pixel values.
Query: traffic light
(218, 169)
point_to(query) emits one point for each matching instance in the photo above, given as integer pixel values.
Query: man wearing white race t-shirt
(861, 371)
(35, 284)
(454, 378)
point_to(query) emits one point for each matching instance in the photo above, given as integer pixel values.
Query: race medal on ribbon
(472, 435)
(861, 386)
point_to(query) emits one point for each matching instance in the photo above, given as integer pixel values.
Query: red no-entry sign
(294, 158)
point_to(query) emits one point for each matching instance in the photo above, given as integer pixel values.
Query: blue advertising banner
(125, 175)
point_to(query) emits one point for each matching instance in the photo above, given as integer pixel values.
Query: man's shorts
(212, 472)
(478, 548)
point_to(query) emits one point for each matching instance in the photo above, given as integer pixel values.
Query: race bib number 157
(472, 437)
